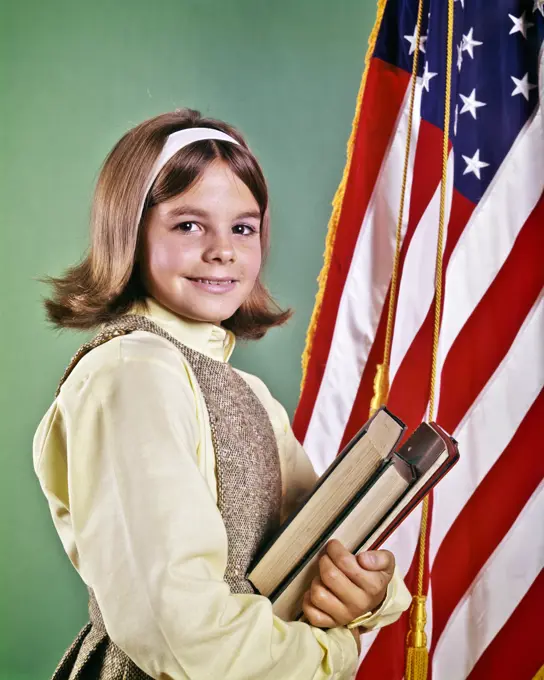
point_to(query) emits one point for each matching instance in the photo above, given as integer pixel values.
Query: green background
(74, 76)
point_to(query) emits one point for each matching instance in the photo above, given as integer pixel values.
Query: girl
(164, 468)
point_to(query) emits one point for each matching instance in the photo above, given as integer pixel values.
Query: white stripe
(403, 541)
(491, 422)
(492, 229)
(362, 299)
(416, 291)
(494, 595)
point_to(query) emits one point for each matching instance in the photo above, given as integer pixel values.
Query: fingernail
(371, 559)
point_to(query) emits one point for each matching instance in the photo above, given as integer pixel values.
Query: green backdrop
(74, 76)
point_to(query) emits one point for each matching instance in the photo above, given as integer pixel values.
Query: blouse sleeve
(299, 480)
(152, 545)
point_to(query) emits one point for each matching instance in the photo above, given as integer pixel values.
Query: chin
(201, 307)
(215, 316)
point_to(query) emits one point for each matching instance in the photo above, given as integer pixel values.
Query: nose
(219, 248)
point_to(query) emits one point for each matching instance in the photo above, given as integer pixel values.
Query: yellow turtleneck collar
(207, 338)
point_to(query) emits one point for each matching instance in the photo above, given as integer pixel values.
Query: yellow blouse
(124, 456)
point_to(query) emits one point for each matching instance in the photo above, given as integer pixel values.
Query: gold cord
(417, 658)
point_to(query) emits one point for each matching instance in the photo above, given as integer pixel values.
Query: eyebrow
(198, 212)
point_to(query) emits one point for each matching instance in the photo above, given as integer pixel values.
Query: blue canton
(496, 50)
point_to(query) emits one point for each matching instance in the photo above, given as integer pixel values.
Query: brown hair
(107, 282)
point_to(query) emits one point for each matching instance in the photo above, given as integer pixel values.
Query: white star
(523, 86)
(520, 25)
(456, 119)
(539, 5)
(412, 40)
(470, 104)
(474, 164)
(459, 56)
(427, 77)
(469, 43)
(462, 3)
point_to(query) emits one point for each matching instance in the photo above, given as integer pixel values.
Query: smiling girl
(166, 469)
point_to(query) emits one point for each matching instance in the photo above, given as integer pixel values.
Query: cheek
(164, 257)
(253, 262)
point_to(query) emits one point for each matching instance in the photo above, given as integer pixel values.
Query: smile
(214, 285)
(215, 282)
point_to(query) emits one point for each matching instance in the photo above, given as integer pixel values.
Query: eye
(187, 227)
(244, 229)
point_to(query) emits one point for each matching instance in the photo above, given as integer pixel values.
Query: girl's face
(202, 249)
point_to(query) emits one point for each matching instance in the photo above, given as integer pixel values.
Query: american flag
(485, 548)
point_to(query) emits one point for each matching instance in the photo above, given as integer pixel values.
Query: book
(384, 498)
(335, 490)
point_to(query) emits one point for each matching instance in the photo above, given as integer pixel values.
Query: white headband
(175, 142)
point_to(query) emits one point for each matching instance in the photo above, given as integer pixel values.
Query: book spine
(422, 449)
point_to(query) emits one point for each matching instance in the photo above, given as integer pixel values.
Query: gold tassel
(381, 388)
(417, 656)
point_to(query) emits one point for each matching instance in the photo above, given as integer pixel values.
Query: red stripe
(384, 94)
(477, 532)
(494, 324)
(516, 652)
(427, 173)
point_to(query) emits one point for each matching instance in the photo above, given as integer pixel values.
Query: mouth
(214, 284)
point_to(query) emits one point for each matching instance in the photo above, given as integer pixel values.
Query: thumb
(377, 560)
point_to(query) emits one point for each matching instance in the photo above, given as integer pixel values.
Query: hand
(347, 586)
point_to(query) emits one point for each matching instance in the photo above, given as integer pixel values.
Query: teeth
(213, 283)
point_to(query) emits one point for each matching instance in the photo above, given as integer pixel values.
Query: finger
(377, 560)
(354, 598)
(315, 616)
(341, 557)
(345, 561)
(375, 584)
(372, 582)
(322, 598)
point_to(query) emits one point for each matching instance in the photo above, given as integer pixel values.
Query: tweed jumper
(248, 491)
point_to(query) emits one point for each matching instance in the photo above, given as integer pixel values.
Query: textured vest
(248, 491)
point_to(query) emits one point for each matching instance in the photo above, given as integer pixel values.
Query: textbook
(361, 498)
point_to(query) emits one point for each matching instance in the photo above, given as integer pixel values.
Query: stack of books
(361, 498)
